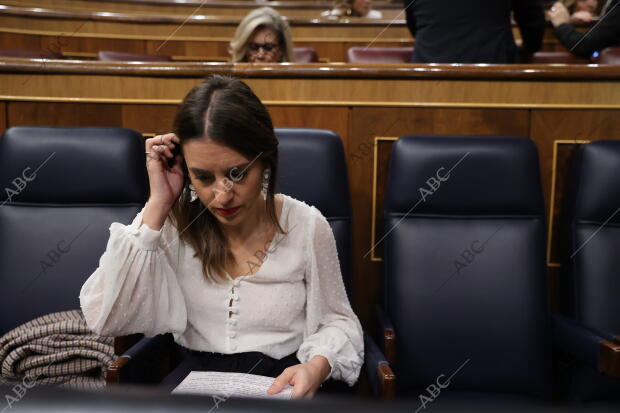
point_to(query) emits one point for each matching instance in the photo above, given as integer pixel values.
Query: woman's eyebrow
(242, 167)
(200, 171)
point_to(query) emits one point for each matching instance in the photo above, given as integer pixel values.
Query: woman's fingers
(281, 381)
(152, 155)
(150, 142)
(164, 150)
(160, 147)
(168, 140)
(165, 144)
(301, 389)
(299, 378)
(168, 137)
(302, 386)
(155, 155)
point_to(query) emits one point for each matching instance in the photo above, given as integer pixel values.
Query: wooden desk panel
(171, 33)
(82, 35)
(197, 27)
(198, 50)
(365, 104)
(224, 8)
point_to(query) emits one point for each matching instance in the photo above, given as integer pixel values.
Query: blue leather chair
(63, 187)
(465, 275)
(590, 282)
(313, 169)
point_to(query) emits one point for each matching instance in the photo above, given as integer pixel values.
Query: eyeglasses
(267, 47)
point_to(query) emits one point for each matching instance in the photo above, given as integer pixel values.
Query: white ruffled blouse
(150, 282)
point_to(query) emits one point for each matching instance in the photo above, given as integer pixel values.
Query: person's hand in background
(558, 14)
(582, 16)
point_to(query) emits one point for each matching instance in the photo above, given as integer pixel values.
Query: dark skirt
(250, 362)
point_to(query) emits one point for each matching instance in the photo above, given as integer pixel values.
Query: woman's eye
(236, 175)
(203, 178)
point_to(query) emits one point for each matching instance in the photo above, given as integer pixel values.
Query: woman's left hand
(305, 378)
(558, 14)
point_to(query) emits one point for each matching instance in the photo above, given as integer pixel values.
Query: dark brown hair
(225, 110)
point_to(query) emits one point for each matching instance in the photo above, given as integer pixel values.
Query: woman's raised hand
(165, 183)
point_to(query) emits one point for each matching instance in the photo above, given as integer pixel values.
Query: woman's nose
(224, 194)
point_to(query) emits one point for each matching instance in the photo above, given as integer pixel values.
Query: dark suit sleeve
(530, 18)
(410, 16)
(604, 34)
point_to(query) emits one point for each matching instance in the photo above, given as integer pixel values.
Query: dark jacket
(473, 31)
(605, 33)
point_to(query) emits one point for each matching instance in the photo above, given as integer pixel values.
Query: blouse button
(233, 347)
(237, 282)
(232, 334)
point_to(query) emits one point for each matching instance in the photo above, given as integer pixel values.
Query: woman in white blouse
(244, 278)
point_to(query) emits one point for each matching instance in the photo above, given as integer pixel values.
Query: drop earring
(192, 193)
(265, 183)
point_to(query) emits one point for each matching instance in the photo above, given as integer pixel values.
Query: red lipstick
(226, 212)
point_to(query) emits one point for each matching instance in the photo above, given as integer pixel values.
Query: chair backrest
(305, 55)
(609, 56)
(63, 187)
(465, 275)
(554, 57)
(591, 233)
(112, 56)
(591, 263)
(360, 54)
(30, 54)
(312, 169)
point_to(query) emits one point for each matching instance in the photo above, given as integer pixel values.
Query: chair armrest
(387, 334)
(593, 348)
(146, 362)
(380, 374)
(124, 343)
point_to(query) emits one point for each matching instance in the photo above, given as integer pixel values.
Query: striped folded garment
(56, 348)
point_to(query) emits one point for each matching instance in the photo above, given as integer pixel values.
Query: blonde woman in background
(262, 37)
(353, 8)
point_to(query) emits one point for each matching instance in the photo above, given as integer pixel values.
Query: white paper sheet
(229, 385)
